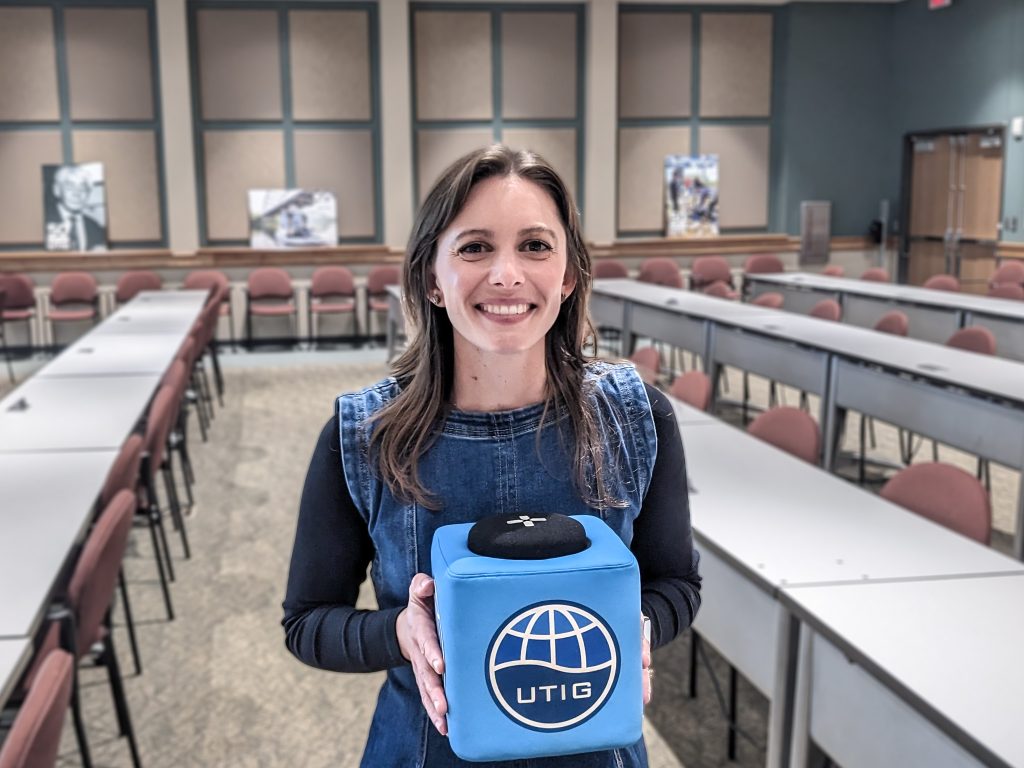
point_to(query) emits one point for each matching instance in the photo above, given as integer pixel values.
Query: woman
(492, 409)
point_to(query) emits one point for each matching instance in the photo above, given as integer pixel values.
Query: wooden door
(982, 188)
(926, 258)
(931, 186)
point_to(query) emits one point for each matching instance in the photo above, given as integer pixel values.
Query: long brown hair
(408, 425)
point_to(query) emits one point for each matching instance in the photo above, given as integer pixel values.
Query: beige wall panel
(556, 145)
(239, 65)
(453, 65)
(436, 150)
(743, 163)
(735, 65)
(538, 48)
(330, 60)
(342, 162)
(22, 153)
(109, 70)
(130, 175)
(28, 65)
(235, 162)
(642, 154)
(655, 64)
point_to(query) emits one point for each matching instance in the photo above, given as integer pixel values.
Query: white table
(764, 520)
(73, 413)
(920, 673)
(14, 658)
(48, 502)
(109, 354)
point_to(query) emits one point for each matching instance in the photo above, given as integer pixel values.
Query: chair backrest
(207, 323)
(205, 279)
(771, 299)
(943, 282)
(609, 268)
(270, 283)
(944, 494)
(834, 270)
(34, 738)
(894, 322)
(648, 362)
(1006, 291)
(720, 290)
(791, 430)
(20, 291)
(1008, 272)
(827, 309)
(159, 421)
(693, 388)
(763, 263)
(176, 378)
(876, 275)
(92, 584)
(125, 472)
(380, 277)
(709, 269)
(130, 283)
(660, 270)
(332, 281)
(68, 287)
(974, 338)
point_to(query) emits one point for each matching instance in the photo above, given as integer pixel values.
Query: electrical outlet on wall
(1017, 128)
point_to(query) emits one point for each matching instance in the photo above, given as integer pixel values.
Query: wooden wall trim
(1005, 250)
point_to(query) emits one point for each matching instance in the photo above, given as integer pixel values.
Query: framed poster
(292, 218)
(74, 207)
(691, 196)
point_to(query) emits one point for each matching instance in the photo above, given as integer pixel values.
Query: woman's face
(500, 267)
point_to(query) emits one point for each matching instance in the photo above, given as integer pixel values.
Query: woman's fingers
(424, 651)
(645, 658)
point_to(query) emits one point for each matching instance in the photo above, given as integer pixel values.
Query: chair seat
(18, 314)
(72, 314)
(334, 306)
(379, 305)
(272, 310)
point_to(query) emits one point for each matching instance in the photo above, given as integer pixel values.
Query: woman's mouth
(505, 310)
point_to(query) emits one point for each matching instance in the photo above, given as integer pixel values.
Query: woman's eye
(472, 250)
(536, 246)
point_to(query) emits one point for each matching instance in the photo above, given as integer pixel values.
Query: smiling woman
(493, 408)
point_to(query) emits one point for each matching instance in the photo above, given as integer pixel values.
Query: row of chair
(80, 624)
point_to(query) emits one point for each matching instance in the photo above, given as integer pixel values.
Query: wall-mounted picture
(74, 207)
(691, 196)
(292, 218)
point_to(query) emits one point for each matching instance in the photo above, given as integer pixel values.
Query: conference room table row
(971, 402)
(888, 639)
(933, 315)
(60, 433)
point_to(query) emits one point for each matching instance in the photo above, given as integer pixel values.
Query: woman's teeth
(505, 309)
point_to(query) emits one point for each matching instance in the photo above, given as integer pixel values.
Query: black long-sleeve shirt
(333, 549)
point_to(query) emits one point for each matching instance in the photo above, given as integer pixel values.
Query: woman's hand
(417, 638)
(645, 658)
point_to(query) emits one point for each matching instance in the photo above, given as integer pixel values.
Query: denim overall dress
(484, 464)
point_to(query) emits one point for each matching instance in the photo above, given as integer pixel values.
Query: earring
(435, 299)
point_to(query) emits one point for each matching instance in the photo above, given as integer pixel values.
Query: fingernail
(436, 704)
(436, 664)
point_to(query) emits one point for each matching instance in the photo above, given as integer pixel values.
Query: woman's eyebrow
(538, 230)
(474, 233)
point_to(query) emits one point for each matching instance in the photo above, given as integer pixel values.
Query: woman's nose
(506, 269)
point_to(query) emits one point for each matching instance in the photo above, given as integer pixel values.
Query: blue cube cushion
(542, 656)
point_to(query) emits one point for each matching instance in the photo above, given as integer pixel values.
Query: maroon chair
(609, 268)
(945, 495)
(974, 338)
(1006, 291)
(707, 270)
(648, 364)
(377, 282)
(130, 283)
(827, 309)
(19, 302)
(834, 270)
(876, 275)
(34, 738)
(762, 264)
(943, 282)
(720, 290)
(207, 279)
(660, 270)
(3, 338)
(332, 291)
(73, 298)
(163, 412)
(693, 388)
(893, 322)
(771, 300)
(791, 430)
(1008, 272)
(269, 294)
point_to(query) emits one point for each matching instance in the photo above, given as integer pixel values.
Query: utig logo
(552, 666)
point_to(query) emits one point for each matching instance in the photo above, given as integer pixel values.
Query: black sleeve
(329, 560)
(662, 537)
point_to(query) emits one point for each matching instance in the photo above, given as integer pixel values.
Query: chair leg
(79, 721)
(746, 396)
(186, 473)
(129, 622)
(155, 527)
(731, 739)
(694, 645)
(861, 470)
(218, 376)
(172, 498)
(6, 353)
(157, 516)
(109, 660)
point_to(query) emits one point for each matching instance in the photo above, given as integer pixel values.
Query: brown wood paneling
(931, 179)
(977, 263)
(735, 65)
(655, 61)
(453, 65)
(22, 155)
(538, 48)
(28, 65)
(927, 258)
(330, 62)
(239, 64)
(983, 189)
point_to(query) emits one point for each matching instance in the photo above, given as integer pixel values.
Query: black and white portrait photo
(75, 207)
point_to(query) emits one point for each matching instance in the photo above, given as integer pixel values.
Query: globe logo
(552, 666)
